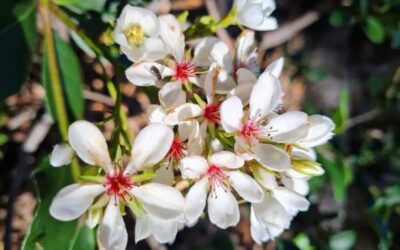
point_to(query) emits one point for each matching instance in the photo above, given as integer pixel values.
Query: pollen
(118, 186)
(211, 113)
(135, 35)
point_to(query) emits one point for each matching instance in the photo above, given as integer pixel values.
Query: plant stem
(55, 77)
(56, 85)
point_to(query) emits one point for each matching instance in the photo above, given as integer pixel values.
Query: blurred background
(341, 59)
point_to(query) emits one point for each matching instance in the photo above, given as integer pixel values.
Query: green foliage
(71, 77)
(85, 239)
(80, 6)
(303, 242)
(343, 240)
(46, 232)
(374, 30)
(341, 114)
(17, 40)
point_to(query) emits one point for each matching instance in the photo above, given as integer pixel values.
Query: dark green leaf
(341, 114)
(337, 18)
(374, 30)
(46, 232)
(71, 77)
(17, 41)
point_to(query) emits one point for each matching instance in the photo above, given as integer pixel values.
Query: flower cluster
(219, 128)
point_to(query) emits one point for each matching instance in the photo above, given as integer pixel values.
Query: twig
(93, 96)
(357, 120)
(285, 32)
(212, 9)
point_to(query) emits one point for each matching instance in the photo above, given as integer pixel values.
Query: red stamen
(183, 71)
(118, 185)
(176, 151)
(249, 131)
(211, 113)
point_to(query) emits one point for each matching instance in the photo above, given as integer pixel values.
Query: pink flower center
(183, 71)
(211, 113)
(176, 150)
(118, 186)
(216, 176)
(249, 130)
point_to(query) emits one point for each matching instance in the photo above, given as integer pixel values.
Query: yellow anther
(134, 34)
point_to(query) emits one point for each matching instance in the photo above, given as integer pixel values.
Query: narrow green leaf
(46, 232)
(71, 77)
(80, 6)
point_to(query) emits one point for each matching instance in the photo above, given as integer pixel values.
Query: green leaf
(17, 40)
(343, 240)
(80, 6)
(302, 242)
(374, 30)
(85, 239)
(341, 114)
(46, 232)
(183, 16)
(336, 18)
(71, 77)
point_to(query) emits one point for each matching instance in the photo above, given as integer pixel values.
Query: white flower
(137, 32)
(270, 217)
(217, 176)
(249, 126)
(180, 70)
(255, 14)
(156, 199)
(242, 67)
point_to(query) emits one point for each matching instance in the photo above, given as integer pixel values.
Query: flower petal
(271, 211)
(266, 179)
(226, 159)
(276, 67)
(291, 201)
(201, 55)
(147, 73)
(221, 54)
(261, 233)
(193, 167)
(154, 49)
(265, 96)
(112, 234)
(164, 231)
(73, 200)
(149, 149)
(288, 127)
(89, 144)
(143, 227)
(155, 113)
(164, 175)
(210, 82)
(171, 33)
(160, 200)
(61, 155)
(300, 186)
(195, 200)
(182, 113)
(245, 186)
(171, 95)
(272, 157)
(223, 209)
(231, 111)
(319, 132)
